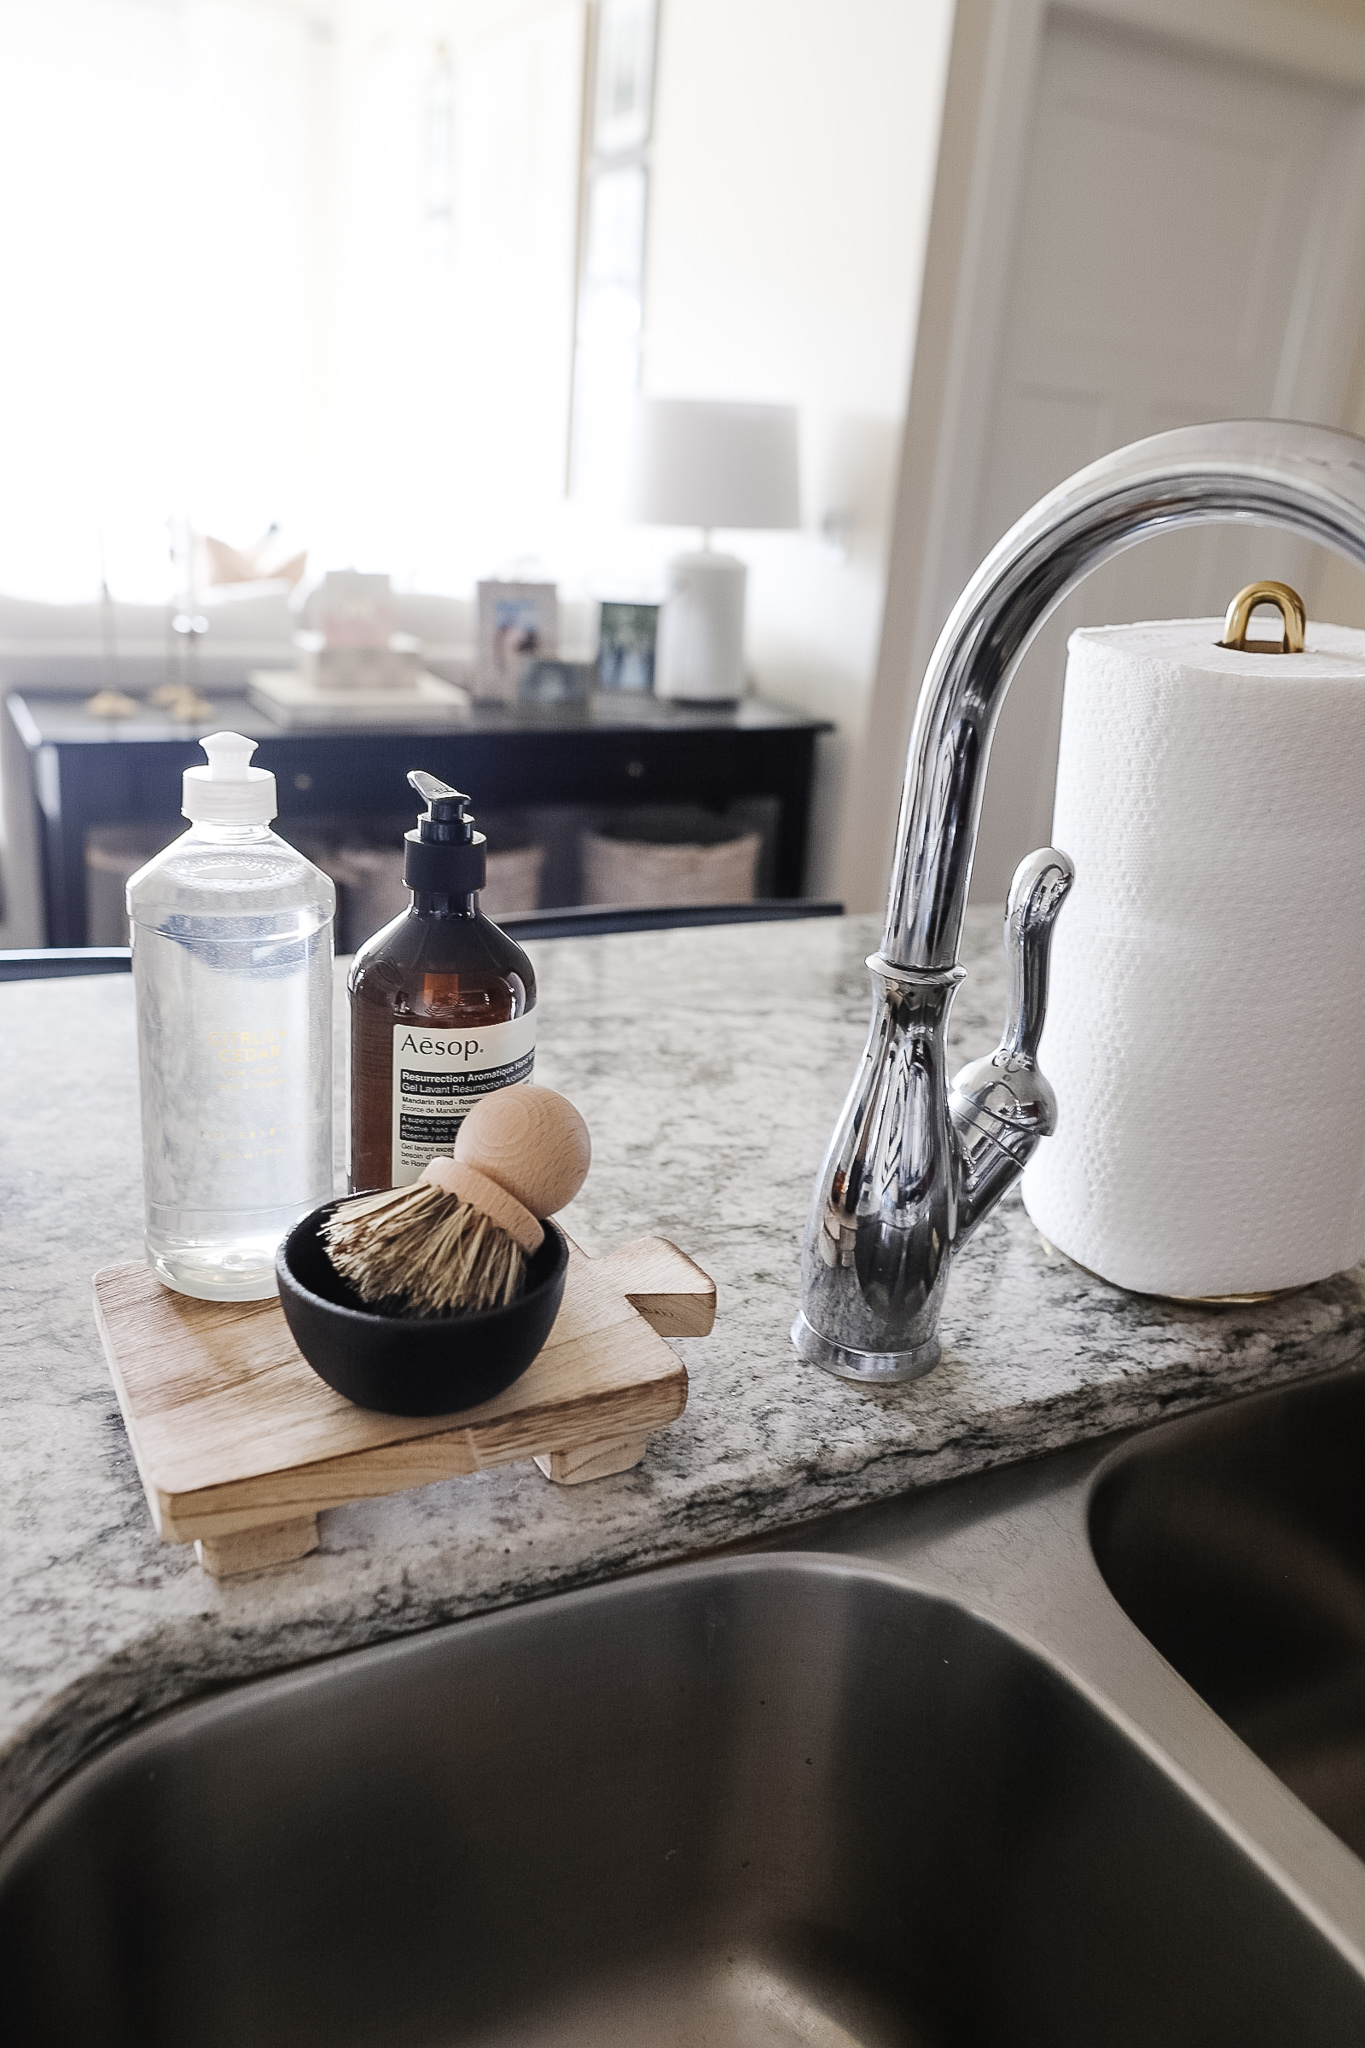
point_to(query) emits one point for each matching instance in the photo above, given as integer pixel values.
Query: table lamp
(700, 463)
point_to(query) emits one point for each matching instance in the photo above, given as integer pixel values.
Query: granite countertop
(710, 1065)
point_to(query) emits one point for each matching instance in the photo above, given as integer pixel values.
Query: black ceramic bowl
(413, 1365)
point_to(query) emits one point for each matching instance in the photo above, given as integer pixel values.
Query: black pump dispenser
(444, 855)
(442, 1003)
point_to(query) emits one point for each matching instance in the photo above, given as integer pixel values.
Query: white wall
(795, 145)
(1338, 595)
(972, 234)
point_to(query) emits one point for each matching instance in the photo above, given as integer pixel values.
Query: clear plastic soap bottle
(232, 971)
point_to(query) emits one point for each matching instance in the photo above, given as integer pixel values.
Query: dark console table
(617, 750)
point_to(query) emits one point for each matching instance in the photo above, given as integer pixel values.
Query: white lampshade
(697, 462)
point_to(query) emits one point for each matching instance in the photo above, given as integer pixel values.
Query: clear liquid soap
(232, 970)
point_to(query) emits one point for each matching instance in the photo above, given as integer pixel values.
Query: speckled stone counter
(710, 1065)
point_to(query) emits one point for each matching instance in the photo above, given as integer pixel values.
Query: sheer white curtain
(309, 261)
(162, 272)
(458, 147)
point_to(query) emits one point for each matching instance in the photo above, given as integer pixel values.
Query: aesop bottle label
(438, 1076)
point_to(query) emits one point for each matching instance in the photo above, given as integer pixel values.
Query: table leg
(793, 790)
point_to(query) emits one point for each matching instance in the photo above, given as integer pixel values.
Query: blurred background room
(600, 404)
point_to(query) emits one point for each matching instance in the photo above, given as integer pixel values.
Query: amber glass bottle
(442, 1004)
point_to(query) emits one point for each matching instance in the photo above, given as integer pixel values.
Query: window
(609, 331)
(159, 247)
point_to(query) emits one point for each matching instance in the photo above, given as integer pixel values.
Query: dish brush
(457, 1240)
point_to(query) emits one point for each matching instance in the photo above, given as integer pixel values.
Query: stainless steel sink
(1236, 1542)
(768, 1800)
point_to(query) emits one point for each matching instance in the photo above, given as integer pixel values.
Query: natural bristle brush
(458, 1239)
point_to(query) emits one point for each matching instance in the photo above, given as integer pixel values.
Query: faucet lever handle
(1037, 893)
(1004, 1097)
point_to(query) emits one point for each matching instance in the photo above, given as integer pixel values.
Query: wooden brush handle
(482, 1192)
(531, 1142)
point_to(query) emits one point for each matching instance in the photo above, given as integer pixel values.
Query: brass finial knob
(1291, 610)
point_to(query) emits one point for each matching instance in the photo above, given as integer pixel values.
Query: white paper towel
(1206, 1018)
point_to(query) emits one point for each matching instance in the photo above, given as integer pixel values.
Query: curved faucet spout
(906, 1178)
(1272, 472)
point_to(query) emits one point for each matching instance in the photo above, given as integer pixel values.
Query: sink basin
(765, 1801)
(1236, 1542)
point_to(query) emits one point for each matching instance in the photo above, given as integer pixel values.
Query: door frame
(987, 116)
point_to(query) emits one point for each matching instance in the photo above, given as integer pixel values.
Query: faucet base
(869, 1368)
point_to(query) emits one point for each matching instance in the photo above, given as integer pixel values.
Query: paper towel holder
(1286, 601)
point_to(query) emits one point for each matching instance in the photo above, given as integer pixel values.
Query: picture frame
(626, 644)
(553, 684)
(518, 624)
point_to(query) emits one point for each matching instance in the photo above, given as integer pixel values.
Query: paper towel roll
(1206, 1019)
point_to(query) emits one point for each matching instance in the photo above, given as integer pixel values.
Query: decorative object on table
(351, 665)
(182, 702)
(293, 701)
(627, 638)
(442, 1003)
(1211, 791)
(704, 464)
(393, 669)
(660, 856)
(239, 1443)
(111, 704)
(353, 609)
(457, 1239)
(518, 623)
(555, 684)
(232, 974)
(267, 560)
(350, 640)
(180, 695)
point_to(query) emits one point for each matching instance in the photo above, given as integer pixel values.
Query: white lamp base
(699, 658)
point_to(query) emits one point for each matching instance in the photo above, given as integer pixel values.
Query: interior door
(1185, 248)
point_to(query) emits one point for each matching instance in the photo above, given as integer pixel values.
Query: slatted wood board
(240, 1445)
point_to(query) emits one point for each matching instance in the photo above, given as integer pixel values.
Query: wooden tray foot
(592, 1461)
(251, 1550)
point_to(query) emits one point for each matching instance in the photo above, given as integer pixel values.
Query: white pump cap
(229, 791)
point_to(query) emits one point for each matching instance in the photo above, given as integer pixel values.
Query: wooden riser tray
(239, 1444)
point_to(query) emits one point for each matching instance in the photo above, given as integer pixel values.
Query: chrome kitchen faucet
(915, 1165)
